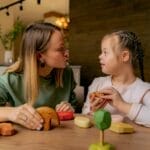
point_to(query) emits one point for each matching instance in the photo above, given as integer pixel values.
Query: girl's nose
(99, 57)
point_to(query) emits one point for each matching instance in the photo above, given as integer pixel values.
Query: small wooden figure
(48, 113)
(102, 120)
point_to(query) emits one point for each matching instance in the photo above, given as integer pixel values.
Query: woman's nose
(67, 53)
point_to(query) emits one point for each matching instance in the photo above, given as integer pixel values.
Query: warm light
(62, 22)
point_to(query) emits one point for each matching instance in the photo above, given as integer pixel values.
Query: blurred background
(84, 23)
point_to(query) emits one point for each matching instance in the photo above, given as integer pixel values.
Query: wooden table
(70, 137)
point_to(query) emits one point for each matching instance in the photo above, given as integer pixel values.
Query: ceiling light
(7, 12)
(21, 7)
(12, 4)
(38, 1)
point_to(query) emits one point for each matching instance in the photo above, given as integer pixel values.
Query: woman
(39, 78)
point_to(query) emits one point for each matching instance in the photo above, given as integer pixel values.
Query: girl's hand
(96, 101)
(26, 116)
(64, 106)
(115, 99)
(113, 95)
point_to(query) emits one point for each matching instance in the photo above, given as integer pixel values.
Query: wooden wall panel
(92, 19)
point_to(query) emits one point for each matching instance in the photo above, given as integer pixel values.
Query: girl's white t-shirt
(137, 93)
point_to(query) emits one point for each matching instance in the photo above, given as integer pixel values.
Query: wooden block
(120, 127)
(82, 122)
(7, 129)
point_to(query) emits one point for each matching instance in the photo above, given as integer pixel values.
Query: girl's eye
(104, 53)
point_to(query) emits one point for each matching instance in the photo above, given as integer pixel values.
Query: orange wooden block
(7, 129)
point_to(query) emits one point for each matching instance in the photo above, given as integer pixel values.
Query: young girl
(124, 92)
(39, 78)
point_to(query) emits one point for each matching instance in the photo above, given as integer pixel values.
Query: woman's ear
(38, 56)
(40, 60)
(125, 55)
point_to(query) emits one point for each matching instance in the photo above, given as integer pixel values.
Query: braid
(140, 57)
(130, 40)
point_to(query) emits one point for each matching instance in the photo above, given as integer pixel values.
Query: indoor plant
(7, 39)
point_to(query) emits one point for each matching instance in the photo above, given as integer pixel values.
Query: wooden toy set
(102, 119)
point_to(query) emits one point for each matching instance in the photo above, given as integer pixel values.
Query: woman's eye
(61, 49)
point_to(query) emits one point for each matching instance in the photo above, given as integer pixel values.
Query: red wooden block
(65, 115)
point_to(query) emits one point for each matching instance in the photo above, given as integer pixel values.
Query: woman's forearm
(5, 113)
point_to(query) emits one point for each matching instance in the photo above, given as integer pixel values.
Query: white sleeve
(86, 106)
(92, 88)
(140, 112)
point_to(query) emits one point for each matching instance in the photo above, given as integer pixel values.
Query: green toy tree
(102, 119)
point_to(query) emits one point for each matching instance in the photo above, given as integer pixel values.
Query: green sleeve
(73, 101)
(4, 95)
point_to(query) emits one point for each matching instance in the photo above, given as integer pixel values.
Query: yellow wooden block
(121, 127)
(82, 122)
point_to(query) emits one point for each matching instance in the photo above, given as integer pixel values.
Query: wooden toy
(7, 129)
(65, 115)
(102, 120)
(48, 114)
(98, 94)
(120, 127)
(82, 122)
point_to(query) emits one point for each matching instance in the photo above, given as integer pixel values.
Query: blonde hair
(35, 39)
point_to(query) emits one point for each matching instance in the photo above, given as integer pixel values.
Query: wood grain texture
(91, 20)
(70, 137)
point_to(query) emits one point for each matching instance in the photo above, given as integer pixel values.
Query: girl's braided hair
(131, 41)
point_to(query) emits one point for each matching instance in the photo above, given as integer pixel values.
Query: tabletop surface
(70, 137)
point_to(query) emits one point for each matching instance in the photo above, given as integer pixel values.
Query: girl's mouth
(102, 64)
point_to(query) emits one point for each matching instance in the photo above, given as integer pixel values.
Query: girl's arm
(140, 113)
(86, 106)
(137, 112)
(115, 99)
(92, 88)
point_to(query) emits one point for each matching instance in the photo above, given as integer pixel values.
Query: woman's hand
(26, 116)
(64, 106)
(115, 99)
